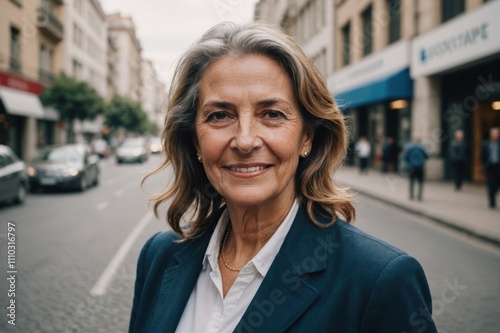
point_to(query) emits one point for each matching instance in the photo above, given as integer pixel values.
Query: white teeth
(251, 169)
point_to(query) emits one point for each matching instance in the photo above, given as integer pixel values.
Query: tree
(126, 113)
(73, 100)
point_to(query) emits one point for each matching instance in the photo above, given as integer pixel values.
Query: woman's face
(249, 130)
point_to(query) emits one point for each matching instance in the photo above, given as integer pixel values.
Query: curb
(444, 222)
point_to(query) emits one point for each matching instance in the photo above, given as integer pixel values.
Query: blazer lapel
(178, 283)
(285, 294)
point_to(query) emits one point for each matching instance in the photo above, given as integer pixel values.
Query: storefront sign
(375, 67)
(10, 81)
(462, 40)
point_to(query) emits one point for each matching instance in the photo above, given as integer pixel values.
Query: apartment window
(394, 8)
(45, 70)
(77, 35)
(367, 31)
(77, 69)
(324, 11)
(15, 48)
(44, 58)
(18, 3)
(318, 14)
(451, 8)
(346, 39)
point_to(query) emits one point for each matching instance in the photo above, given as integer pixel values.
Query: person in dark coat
(390, 153)
(414, 157)
(260, 238)
(491, 162)
(458, 158)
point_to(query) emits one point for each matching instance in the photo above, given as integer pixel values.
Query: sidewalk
(466, 210)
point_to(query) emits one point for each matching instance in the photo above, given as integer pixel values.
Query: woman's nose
(247, 137)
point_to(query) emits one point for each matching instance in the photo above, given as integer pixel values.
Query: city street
(69, 243)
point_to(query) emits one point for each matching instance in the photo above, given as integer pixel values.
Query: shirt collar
(264, 258)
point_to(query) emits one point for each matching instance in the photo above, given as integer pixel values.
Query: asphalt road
(67, 241)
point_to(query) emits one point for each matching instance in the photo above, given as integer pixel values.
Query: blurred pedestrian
(414, 157)
(458, 158)
(390, 153)
(363, 151)
(491, 162)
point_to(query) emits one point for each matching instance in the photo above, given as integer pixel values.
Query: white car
(132, 150)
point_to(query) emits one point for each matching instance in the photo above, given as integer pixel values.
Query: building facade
(153, 94)
(455, 69)
(371, 81)
(406, 68)
(31, 51)
(85, 59)
(309, 22)
(128, 80)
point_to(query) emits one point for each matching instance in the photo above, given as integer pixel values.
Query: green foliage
(126, 113)
(150, 128)
(73, 99)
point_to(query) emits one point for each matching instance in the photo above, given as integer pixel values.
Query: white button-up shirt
(207, 310)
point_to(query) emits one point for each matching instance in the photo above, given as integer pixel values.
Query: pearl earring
(306, 154)
(198, 156)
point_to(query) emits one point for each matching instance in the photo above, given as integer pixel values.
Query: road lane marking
(118, 193)
(102, 205)
(107, 275)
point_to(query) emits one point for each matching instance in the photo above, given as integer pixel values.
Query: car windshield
(65, 154)
(133, 143)
(99, 144)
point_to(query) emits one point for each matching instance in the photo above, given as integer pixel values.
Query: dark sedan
(68, 166)
(13, 179)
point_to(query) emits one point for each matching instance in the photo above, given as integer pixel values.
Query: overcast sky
(166, 28)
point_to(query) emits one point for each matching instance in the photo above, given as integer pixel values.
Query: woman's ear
(308, 140)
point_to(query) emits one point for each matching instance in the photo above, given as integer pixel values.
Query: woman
(253, 136)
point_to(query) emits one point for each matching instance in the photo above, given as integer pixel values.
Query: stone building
(31, 53)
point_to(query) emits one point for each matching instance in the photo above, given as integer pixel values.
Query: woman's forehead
(256, 73)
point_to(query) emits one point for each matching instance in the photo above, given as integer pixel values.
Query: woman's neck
(252, 227)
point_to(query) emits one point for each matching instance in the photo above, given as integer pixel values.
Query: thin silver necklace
(222, 251)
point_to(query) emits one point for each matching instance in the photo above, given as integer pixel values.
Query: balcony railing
(45, 75)
(49, 25)
(15, 64)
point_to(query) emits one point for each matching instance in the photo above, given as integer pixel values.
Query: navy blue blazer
(335, 279)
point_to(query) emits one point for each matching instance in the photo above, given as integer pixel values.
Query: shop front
(375, 95)
(20, 108)
(461, 57)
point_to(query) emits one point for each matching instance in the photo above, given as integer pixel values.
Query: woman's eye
(217, 116)
(274, 114)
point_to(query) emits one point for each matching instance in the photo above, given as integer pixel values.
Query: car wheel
(83, 184)
(96, 181)
(21, 194)
(118, 161)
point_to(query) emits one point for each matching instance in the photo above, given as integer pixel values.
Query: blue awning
(396, 86)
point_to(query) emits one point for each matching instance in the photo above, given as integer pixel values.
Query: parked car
(100, 147)
(155, 145)
(13, 177)
(66, 166)
(132, 150)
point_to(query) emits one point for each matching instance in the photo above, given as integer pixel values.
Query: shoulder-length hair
(190, 190)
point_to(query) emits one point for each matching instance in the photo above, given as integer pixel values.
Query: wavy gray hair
(191, 189)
